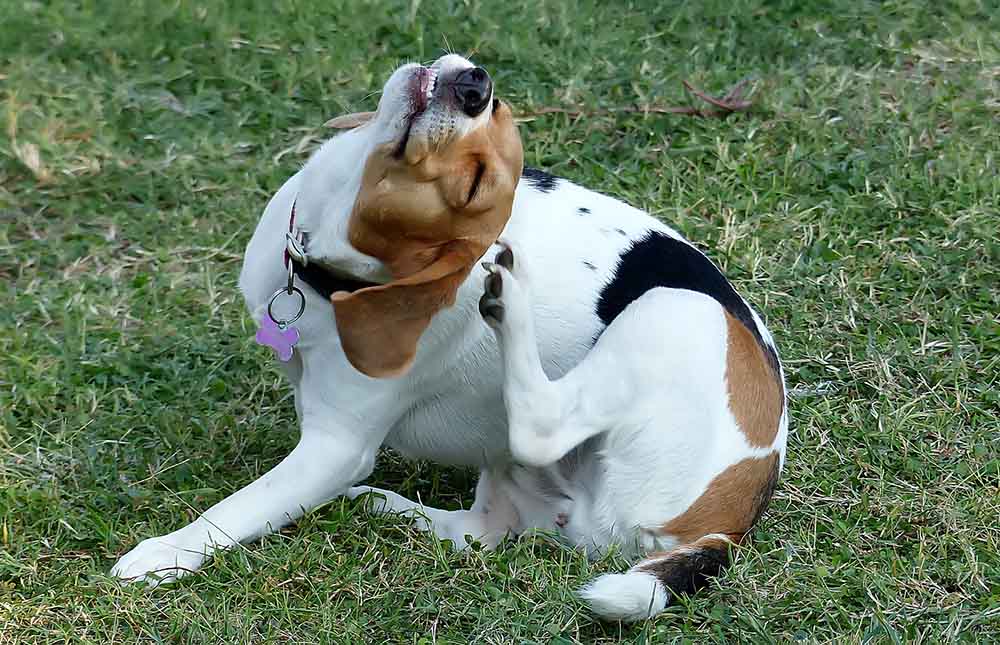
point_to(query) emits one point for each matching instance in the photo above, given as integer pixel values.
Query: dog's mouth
(421, 89)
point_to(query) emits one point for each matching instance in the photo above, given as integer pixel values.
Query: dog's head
(442, 158)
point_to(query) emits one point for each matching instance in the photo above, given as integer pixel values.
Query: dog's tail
(644, 590)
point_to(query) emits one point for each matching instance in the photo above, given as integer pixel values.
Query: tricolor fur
(626, 394)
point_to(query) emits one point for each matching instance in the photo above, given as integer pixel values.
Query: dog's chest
(461, 420)
(454, 427)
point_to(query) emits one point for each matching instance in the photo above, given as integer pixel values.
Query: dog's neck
(329, 186)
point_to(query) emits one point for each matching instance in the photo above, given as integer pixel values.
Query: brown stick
(732, 102)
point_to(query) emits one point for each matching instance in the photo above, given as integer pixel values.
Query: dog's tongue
(379, 326)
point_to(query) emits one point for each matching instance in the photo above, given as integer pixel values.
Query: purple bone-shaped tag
(280, 340)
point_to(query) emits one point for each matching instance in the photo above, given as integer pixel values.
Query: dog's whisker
(371, 94)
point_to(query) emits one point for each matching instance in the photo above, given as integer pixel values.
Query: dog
(620, 393)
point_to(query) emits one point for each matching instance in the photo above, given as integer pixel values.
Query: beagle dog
(620, 393)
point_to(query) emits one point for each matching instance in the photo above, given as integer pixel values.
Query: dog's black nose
(473, 88)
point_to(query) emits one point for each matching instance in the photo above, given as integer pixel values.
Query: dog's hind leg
(546, 419)
(491, 518)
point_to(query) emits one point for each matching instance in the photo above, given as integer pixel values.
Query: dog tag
(280, 340)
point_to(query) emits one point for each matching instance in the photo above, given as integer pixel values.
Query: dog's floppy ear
(348, 121)
(379, 326)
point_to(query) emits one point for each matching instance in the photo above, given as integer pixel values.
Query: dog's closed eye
(476, 180)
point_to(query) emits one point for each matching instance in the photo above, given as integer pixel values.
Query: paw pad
(505, 258)
(491, 308)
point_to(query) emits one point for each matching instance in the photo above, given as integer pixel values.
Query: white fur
(630, 596)
(602, 445)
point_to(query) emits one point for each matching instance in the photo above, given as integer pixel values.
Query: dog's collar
(326, 283)
(276, 330)
(322, 281)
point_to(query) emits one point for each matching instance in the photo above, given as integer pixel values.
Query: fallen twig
(645, 109)
(733, 101)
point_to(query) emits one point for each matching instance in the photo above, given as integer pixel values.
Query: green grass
(856, 204)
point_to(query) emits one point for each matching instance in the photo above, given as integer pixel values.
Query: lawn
(856, 203)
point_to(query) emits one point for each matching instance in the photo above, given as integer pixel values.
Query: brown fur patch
(428, 213)
(756, 397)
(394, 315)
(732, 503)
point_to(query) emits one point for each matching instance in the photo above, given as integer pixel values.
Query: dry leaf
(30, 156)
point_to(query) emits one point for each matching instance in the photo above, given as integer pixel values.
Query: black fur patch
(690, 570)
(326, 283)
(540, 180)
(658, 260)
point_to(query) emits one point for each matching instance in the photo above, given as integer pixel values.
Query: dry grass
(855, 202)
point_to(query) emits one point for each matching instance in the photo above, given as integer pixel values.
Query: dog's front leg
(323, 465)
(335, 451)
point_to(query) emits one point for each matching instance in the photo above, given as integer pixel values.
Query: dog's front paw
(158, 560)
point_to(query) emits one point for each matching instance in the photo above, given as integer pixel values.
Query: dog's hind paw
(491, 306)
(501, 286)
